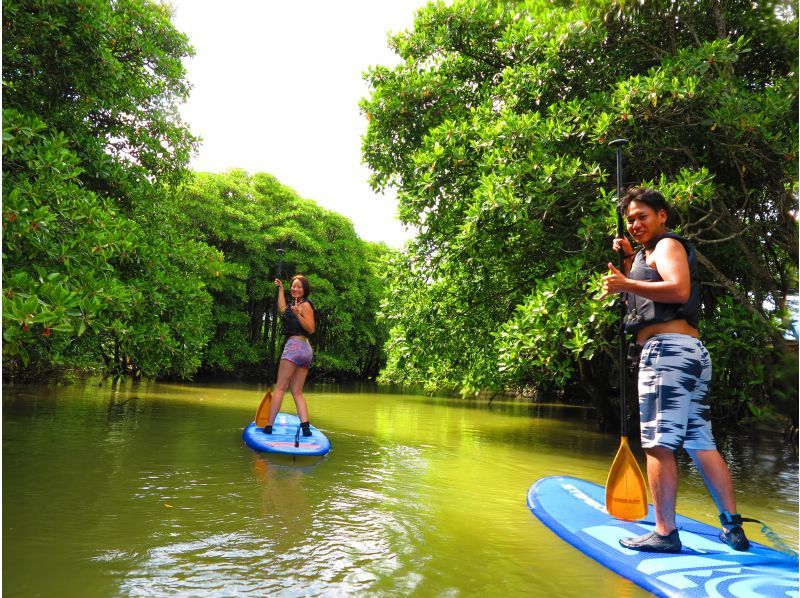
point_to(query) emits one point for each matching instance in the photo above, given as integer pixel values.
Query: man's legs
(718, 480)
(662, 414)
(662, 475)
(717, 477)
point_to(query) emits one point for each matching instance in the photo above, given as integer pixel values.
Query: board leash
(726, 518)
(773, 537)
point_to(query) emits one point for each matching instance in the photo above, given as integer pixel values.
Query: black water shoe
(305, 427)
(654, 542)
(735, 538)
(267, 429)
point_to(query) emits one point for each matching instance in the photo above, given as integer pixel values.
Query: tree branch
(719, 20)
(740, 297)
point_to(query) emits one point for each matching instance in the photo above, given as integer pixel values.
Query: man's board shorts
(674, 378)
(299, 352)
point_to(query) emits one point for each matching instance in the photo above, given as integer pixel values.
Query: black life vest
(642, 312)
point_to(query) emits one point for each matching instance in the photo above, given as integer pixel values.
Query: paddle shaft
(623, 378)
(626, 495)
(275, 315)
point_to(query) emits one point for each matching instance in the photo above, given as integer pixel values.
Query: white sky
(276, 85)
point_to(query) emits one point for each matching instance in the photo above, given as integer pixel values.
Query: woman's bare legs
(286, 371)
(296, 384)
(290, 376)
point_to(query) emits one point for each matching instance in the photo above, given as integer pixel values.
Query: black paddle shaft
(623, 379)
(280, 253)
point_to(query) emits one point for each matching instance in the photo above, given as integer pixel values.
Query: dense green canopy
(94, 275)
(495, 130)
(248, 218)
(114, 257)
(110, 76)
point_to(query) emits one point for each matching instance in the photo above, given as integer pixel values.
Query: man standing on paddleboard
(662, 293)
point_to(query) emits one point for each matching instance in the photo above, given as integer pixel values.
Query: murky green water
(148, 490)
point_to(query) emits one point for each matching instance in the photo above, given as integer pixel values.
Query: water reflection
(284, 505)
(148, 489)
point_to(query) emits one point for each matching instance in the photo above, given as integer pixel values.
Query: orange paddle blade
(626, 495)
(262, 413)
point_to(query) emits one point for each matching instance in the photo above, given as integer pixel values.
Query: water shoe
(305, 427)
(267, 429)
(735, 538)
(654, 542)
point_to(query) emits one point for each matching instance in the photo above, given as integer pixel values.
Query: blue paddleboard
(575, 510)
(286, 438)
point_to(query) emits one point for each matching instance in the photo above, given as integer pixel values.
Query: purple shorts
(299, 352)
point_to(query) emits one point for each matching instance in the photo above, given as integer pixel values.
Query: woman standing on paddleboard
(662, 291)
(298, 324)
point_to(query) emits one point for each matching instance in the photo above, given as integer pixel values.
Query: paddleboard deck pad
(286, 438)
(575, 510)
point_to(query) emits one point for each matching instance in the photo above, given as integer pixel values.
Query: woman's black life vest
(291, 325)
(642, 312)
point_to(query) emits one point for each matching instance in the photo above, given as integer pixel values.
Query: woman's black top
(291, 324)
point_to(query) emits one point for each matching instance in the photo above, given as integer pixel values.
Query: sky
(276, 86)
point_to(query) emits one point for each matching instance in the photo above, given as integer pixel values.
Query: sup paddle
(262, 413)
(626, 495)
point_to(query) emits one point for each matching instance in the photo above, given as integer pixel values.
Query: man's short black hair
(651, 197)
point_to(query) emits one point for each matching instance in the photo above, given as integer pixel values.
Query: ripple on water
(159, 497)
(355, 538)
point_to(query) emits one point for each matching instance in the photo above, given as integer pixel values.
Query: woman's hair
(652, 198)
(303, 281)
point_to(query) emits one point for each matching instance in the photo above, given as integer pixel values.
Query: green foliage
(756, 381)
(494, 129)
(420, 312)
(107, 261)
(556, 327)
(248, 218)
(109, 75)
(95, 276)
(81, 286)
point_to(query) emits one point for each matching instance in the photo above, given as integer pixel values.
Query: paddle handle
(623, 379)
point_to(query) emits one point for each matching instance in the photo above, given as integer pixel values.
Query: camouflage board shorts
(674, 377)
